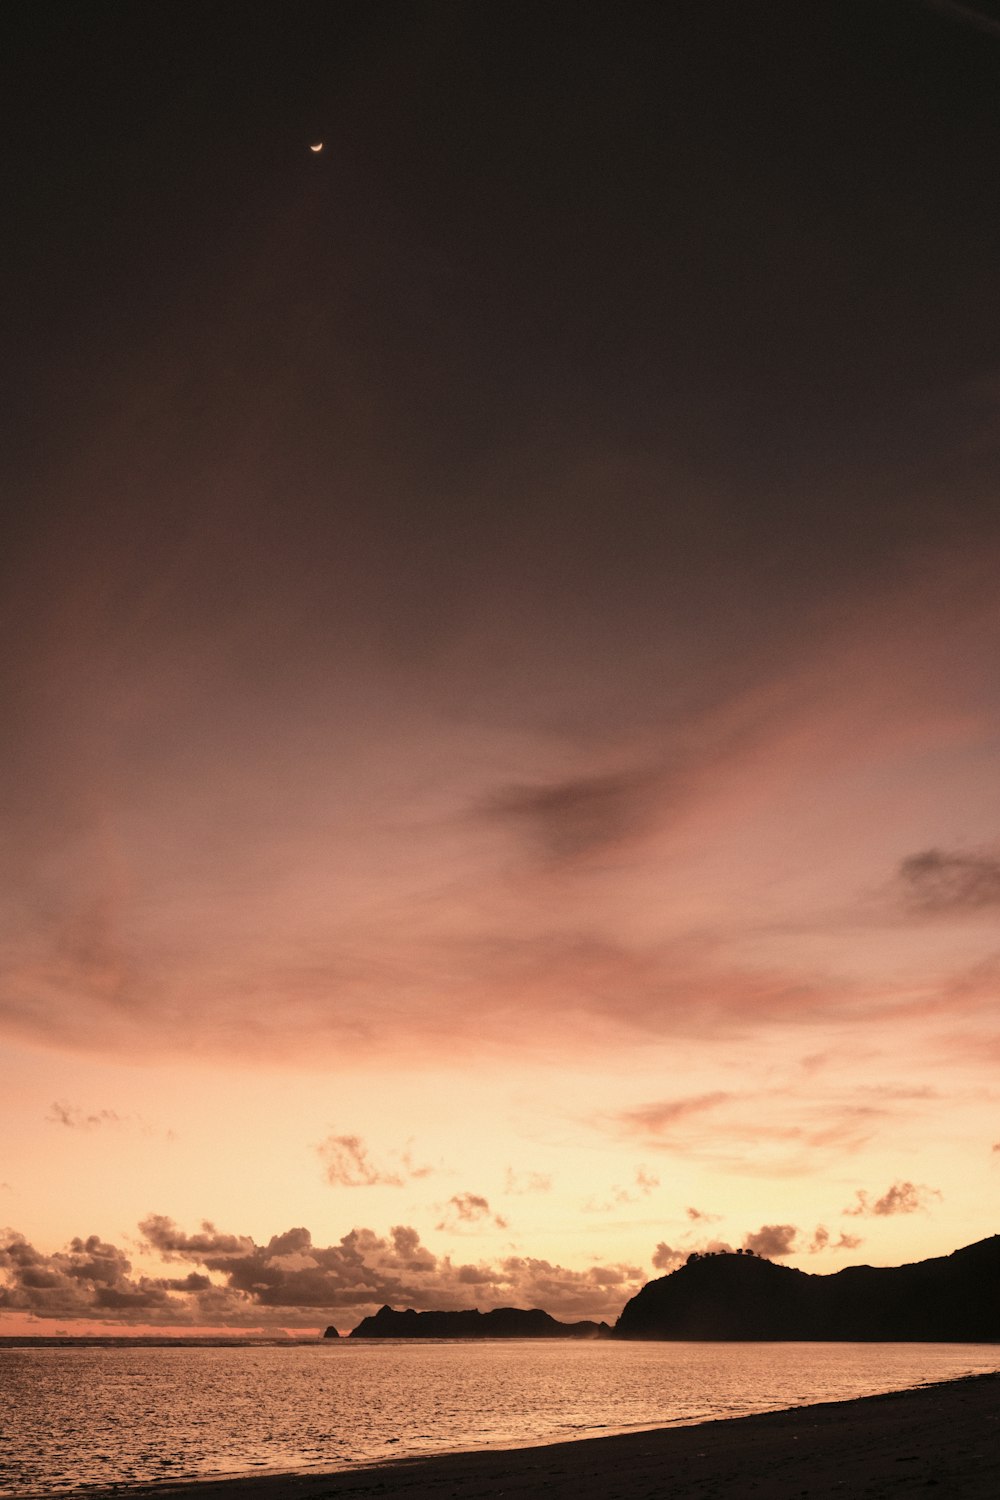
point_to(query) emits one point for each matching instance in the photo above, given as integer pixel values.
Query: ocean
(81, 1417)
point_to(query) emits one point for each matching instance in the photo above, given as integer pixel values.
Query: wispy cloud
(938, 882)
(644, 1183)
(822, 1240)
(517, 1183)
(900, 1198)
(469, 1208)
(75, 1118)
(347, 1163)
(655, 1119)
(580, 815)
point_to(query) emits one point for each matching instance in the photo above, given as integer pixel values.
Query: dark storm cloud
(937, 881)
(900, 1198)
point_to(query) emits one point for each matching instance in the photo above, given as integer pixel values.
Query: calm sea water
(74, 1419)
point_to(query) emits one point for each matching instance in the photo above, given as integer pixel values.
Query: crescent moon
(318, 146)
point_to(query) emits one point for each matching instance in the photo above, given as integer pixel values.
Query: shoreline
(937, 1440)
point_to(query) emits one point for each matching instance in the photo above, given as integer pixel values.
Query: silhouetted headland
(501, 1323)
(953, 1298)
(738, 1295)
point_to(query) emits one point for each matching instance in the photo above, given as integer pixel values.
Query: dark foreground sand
(940, 1440)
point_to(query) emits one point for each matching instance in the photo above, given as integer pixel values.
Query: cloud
(784, 1128)
(775, 1240)
(771, 1240)
(579, 815)
(469, 1208)
(656, 1119)
(516, 1183)
(697, 1216)
(88, 1278)
(231, 1280)
(347, 1164)
(75, 1118)
(821, 1241)
(900, 1198)
(666, 1258)
(645, 1183)
(669, 1257)
(78, 1119)
(378, 933)
(162, 1234)
(937, 882)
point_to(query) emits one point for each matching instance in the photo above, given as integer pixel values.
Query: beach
(941, 1440)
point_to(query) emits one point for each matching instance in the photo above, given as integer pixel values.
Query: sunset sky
(499, 650)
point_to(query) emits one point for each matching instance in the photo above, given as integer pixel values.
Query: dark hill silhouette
(501, 1323)
(954, 1298)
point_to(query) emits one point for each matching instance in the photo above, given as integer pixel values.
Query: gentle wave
(78, 1418)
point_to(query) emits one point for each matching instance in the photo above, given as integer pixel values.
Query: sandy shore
(940, 1440)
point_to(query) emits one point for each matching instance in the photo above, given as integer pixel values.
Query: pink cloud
(469, 1208)
(346, 1163)
(239, 1283)
(900, 1198)
(772, 1240)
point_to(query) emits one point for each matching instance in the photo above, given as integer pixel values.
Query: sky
(499, 638)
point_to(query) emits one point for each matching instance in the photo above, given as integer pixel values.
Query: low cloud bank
(227, 1279)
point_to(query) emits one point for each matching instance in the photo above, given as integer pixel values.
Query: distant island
(501, 1323)
(738, 1295)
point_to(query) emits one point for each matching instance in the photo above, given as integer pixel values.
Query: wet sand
(940, 1440)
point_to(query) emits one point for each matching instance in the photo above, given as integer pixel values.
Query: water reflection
(76, 1419)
